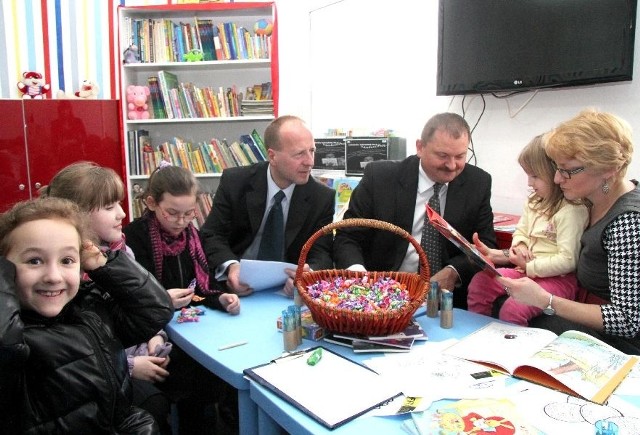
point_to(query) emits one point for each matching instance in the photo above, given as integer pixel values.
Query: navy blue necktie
(272, 243)
(431, 241)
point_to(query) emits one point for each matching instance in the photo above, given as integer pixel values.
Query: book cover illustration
(574, 362)
(473, 416)
(462, 243)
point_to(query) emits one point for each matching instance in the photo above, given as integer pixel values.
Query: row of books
(173, 99)
(199, 157)
(162, 40)
(204, 202)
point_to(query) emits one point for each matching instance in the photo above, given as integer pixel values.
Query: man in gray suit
(245, 196)
(397, 192)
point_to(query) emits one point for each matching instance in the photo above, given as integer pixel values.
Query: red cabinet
(39, 137)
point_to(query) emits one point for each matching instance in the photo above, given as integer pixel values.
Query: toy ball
(263, 27)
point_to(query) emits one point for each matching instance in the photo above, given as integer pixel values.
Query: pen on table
(231, 345)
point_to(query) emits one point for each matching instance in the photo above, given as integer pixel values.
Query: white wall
(364, 65)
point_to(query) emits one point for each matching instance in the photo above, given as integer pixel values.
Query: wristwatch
(549, 310)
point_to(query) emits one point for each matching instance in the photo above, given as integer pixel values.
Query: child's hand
(91, 256)
(149, 368)
(180, 297)
(230, 302)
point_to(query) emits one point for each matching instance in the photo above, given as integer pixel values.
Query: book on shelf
(259, 142)
(573, 362)
(168, 81)
(155, 95)
(460, 241)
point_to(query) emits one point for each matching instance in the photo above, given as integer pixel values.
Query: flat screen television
(487, 46)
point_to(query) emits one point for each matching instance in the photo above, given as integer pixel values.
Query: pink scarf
(113, 246)
(164, 244)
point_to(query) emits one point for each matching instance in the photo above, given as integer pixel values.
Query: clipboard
(332, 392)
(463, 244)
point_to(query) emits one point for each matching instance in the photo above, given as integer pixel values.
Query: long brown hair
(90, 186)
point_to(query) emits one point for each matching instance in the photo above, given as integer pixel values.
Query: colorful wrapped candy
(360, 294)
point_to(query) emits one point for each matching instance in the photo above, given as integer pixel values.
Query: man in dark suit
(245, 196)
(397, 192)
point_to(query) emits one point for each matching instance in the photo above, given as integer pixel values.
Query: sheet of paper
(262, 275)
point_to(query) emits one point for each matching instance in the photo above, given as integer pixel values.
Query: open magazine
(573, 362)
(457, 239)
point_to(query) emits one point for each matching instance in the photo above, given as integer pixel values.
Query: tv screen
(489, 46)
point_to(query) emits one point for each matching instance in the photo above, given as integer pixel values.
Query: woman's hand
(230, 302)
(525, 291)
(150, 368)
(180, 297)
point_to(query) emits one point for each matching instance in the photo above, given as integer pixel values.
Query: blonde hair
(599, 140)
(90, 186)
(42, 208)
(534, 161)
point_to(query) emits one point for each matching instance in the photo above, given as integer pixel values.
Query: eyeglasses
(174, 216)
(567, 173)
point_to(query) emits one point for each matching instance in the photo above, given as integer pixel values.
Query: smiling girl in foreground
(63, 367)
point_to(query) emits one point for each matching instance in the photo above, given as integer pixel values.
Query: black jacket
(68, 374)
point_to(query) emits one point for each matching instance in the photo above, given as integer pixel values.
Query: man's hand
(289, 287)
(447, 278)
(233, 281)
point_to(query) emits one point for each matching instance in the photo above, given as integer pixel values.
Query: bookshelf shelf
(207, 106)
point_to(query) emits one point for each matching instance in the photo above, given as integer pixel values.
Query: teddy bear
(131, 54)
(89, 90)
(33, 86)
(137, 102)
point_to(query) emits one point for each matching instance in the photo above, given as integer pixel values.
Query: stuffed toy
(33, 85)
(131, 55)
(89, 90)
(137, 102)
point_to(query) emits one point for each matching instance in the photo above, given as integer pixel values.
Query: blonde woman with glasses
(592, 152)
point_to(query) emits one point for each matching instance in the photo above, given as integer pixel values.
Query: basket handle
(359, 222)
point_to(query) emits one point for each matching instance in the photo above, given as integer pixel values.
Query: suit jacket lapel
(298, 211)
(257, 198)
(455, 200)
(406, 198)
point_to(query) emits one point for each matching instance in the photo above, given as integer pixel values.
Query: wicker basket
(355, 322)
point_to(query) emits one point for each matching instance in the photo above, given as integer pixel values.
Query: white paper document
(262, 275)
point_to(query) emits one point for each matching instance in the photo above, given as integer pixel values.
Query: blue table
(256, 324)
(273, 412)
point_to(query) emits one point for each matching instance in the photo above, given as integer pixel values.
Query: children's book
(413, 330)
(458, 239)
(362, 346)
(573, 362)
(403, 343)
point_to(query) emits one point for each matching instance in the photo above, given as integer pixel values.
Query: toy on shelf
(131, 54)
(33, 85)
(137, 102)
(263, 27)
(89, 90)
(194, 55)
